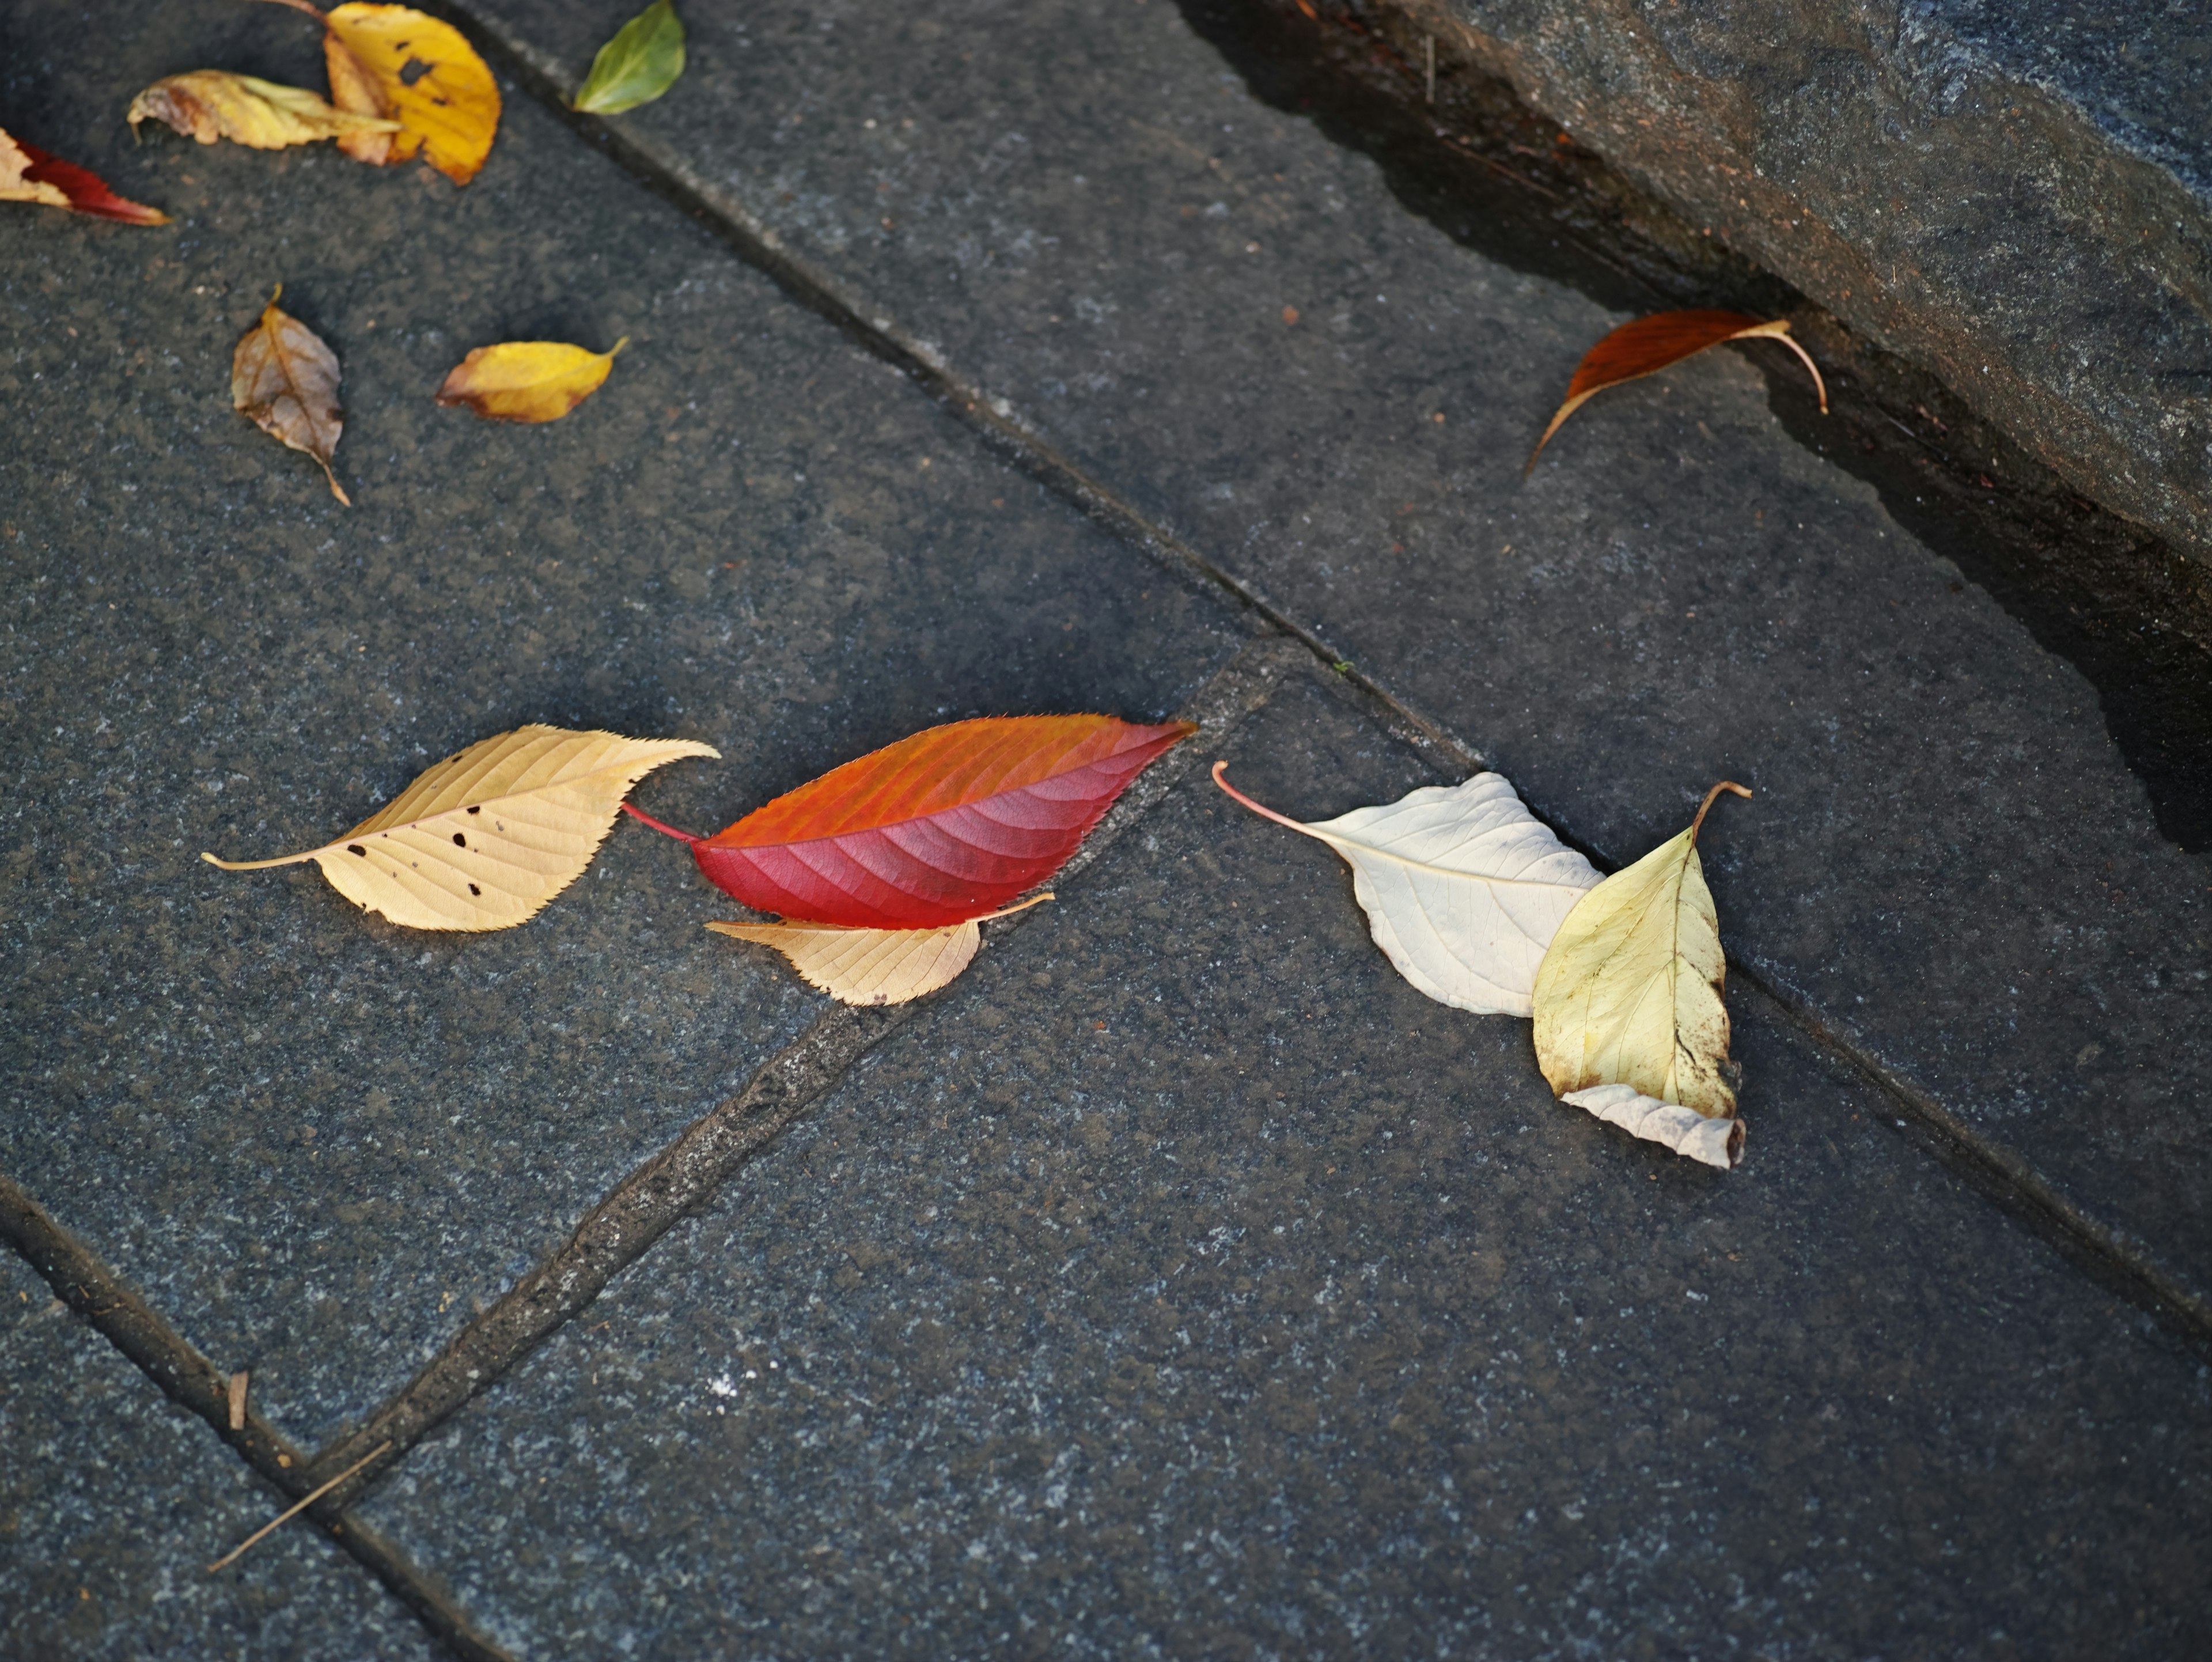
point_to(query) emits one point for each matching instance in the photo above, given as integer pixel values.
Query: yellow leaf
(423, 71)
(874, 966)
(285, 381)
(213, 104)
(1629, 992)
(485, 838)
(530, 381)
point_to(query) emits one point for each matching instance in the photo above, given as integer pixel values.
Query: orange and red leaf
(937, 829)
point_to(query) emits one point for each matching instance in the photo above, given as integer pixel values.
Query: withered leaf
(1648, 345)
(285, 381)
(1629, 992)
(27, 173)
(395, 61)
(214, 104)
(485, 838)
(1462, 886)
(874, 966)
(527, 381)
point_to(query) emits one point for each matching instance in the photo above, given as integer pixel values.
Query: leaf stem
(1779, 329)
(637, 813)
(1219, 767)
(261, 865)
(1725, 785)
(1018, 906)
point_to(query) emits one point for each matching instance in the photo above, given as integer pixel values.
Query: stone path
(1179, 1280)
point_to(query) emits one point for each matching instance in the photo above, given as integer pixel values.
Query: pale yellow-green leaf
(874, 966)
(486, 838)
(527, 381)
(1463, 887)
(1716, 1141)
(1629, 992)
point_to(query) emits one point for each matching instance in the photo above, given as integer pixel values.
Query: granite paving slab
(113, 1501)
(1233, 326)
(315, 1141)
(1184, 1283)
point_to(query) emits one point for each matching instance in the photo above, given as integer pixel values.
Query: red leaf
(934, 830)
(1650, 344)
(87, 192)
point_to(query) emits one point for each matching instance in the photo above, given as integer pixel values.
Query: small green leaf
(638, 64)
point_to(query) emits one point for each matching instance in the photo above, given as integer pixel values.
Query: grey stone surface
(2017, 196)
(1184, 1283)
(1081, 211)
(112, 1502)
(317, 1142)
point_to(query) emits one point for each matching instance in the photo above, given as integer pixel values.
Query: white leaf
(1716, 1141)
(1462, 885)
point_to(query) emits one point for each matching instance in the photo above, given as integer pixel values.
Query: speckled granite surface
(1187, 1284)
(114, 1503)
(1001, 1347)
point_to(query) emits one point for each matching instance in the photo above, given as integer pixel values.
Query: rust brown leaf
(285, 381)
(1650, 345)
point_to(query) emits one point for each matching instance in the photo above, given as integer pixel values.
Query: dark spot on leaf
(413, 69)
(473, 889)
(477, 808)
(356, 848)
(441, 102)
(459, 841)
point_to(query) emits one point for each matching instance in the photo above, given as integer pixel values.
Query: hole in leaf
(459, 841)
(476, 807)
(356, 848)
(412, 70)
(473, 889)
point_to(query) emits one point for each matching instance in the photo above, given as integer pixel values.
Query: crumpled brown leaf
(285, 381)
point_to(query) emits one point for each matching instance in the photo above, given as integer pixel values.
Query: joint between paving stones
(125, 1320)
(683, 1178)
(2001, 1177)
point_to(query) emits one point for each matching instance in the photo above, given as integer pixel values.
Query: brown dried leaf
(1648, 345)
(285, 381)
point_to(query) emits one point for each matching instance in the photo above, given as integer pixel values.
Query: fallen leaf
(1716, 1141)
(1630, 991)
(1650, 345)
(27, 173)
(422, 71)
(485, 838)
(285, 381)
(937, 828)
(1463, 887)
(639, 64)
(874, 966)
(529, 380)
(212, 104)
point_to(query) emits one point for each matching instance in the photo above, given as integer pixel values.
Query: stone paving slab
(112, 1502)
(1080, 211)
(1185, 1283)
(317, 1142)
